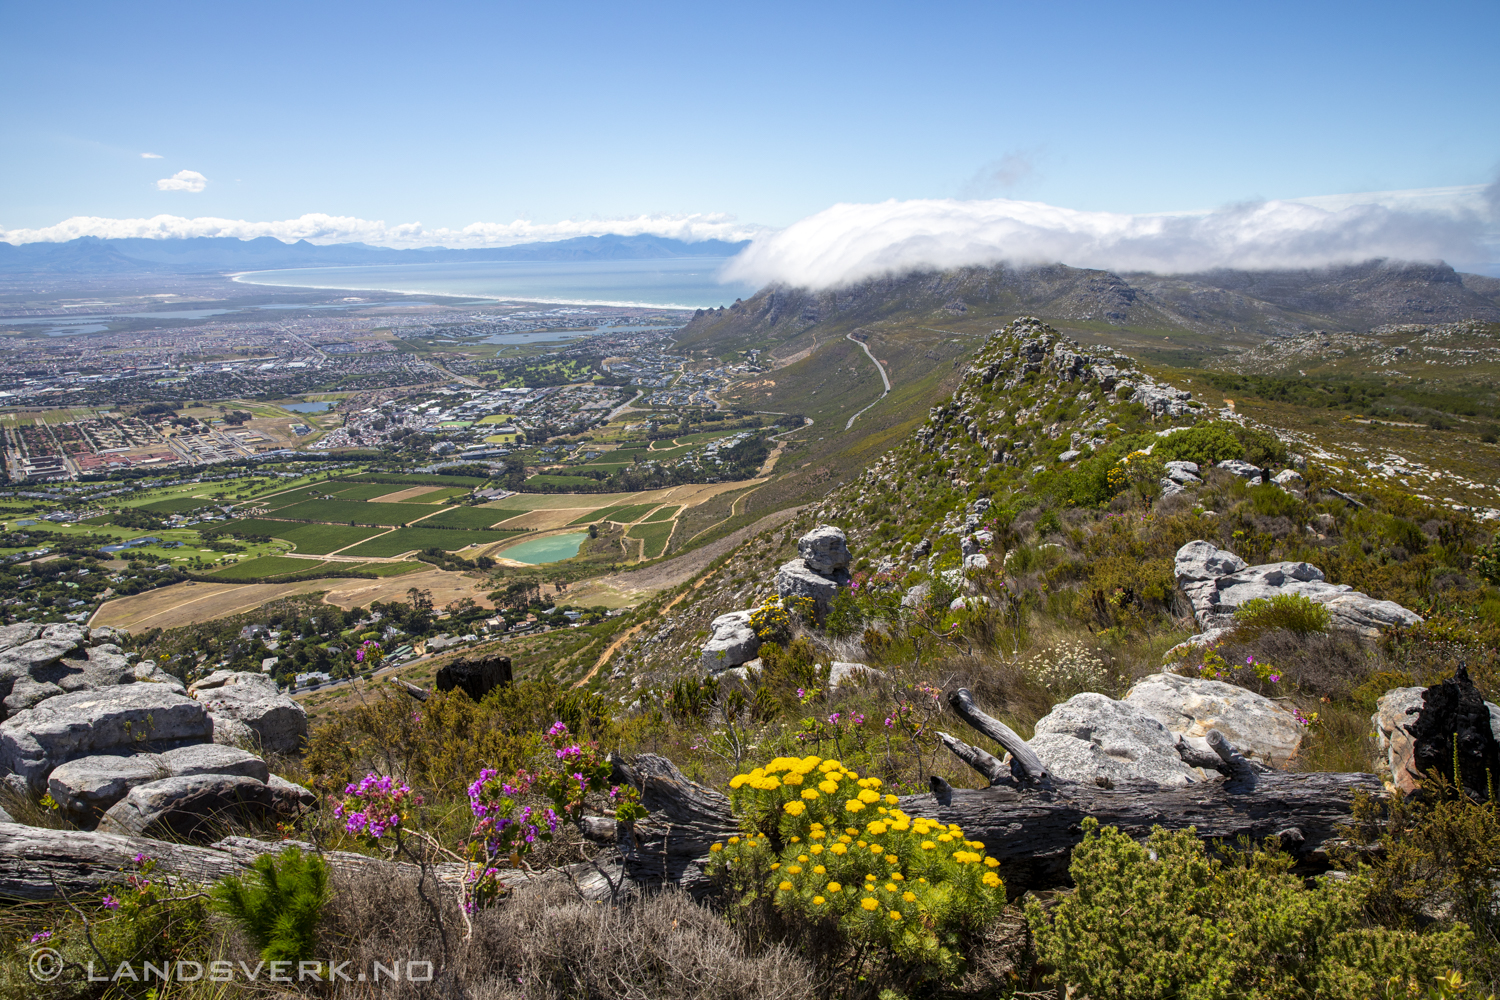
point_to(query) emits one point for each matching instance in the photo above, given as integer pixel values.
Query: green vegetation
(563, 484)
(1220, 928)
(469, 517)
(415, 539)
(1293, 612)
(270, 566)
(663, 514)
(352, 512)
(314, 539)
(279, 904)
(177, 505)
(654, 535)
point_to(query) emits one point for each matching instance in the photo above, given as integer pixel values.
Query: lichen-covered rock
(58, 663)
(797, 579)
(1091, 737)
(70, 726)
(247, 707)
(213, 758)
(1219, 582)
(731, 643)
(147, 672)
(197, 807)
(824, 550)
(1257, 726)
(88, 786)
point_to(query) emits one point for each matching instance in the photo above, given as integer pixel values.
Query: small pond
(553, 548)
(309, 407)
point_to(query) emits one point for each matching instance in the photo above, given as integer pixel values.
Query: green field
(546, 480)
(655, 536)
(437, 496)
(362, 491)
(410, 539)
(344, 511)
(176, 505)
(265, 566)
(664, 514)
(623, 514)
(391, 568)
(406, 480)
(470, 517)
(315, 539)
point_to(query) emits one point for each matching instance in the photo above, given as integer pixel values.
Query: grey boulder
(1093, 738)
(70, 726)
(824, 549)
(196, 807)
(733, 642)
(148, 672)
(291, 789)
(1218, 582)
(1257, 726)
(796, 579)
(248, 708)
(213, 758)
(841, 674)
(58, 664)
(88, 786)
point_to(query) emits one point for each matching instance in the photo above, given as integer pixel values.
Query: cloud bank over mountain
(322, 229)
(849, 243)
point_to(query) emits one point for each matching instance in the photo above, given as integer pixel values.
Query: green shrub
(1163, 919)
(1261, 448)
(279, 904)
(1272, 501)
(1293, 612)
(1207, 444)
(1487, 560)
(834, 857)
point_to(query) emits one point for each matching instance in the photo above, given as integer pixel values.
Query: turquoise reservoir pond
(553, 548)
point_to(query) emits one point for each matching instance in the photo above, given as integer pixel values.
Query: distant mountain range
(1225, 305)
(212, 254)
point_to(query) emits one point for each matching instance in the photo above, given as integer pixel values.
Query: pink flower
(41, 936)
(1275, 678)
(110, 903)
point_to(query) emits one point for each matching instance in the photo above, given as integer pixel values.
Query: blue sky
(452, 114)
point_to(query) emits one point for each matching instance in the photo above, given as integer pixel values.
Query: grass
(623, 514)
(547, 480)
(664, 514)
(251, 569)
(408, 539)
(176, 505)
(416, 480)
(336, 511)
(470, 517)
(392, 568)
(362, 491)
(437, 496)
(315, 539)
(654, 535)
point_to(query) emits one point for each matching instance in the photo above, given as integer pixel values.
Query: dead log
(38, 864)
(1029, 822)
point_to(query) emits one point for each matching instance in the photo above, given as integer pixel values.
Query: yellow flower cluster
(810, 844)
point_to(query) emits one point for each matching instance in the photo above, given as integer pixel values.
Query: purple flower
(110, 903)
(559, 728)
(1275, 678)
(801, 693)
(833, 719)
(141, 859)
(40, 936)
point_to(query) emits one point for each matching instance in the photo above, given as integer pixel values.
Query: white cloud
(183, 180)
(150, 156)
(848, 243)
(318, 228)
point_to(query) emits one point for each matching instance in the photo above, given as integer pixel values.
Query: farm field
(314, 539)
(654, 536)
(542, 479)
(624, 515)
(470, 517)
(250, 569)
(664, 514)
(345, 511)
(176, 505)
(406, 479)
(409, 539)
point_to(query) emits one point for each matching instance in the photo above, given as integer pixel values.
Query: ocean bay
(679, 283)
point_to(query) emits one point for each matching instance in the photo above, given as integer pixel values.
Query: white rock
(90, 785)
(1070, 455)
(1242, 469)
(977, 561)
(824, 549)
(1090, 736)
(797, 579)
(731, 643)
(247, 708)
(840, 674)
(1257, 726)
(1289, 479)
(69, 726)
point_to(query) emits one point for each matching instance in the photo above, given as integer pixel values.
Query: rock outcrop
(195, 807)
(822, 567)
(731, 643)
(247, 708)
(1217, 582)
(1257, 726)
(84, 723)
(1093, 738)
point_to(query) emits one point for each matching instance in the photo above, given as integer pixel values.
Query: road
(878, 367)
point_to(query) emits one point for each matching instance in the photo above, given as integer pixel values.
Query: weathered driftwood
(44, 864)
(1029, 822)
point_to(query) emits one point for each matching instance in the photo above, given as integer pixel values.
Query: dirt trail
(677, 571)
